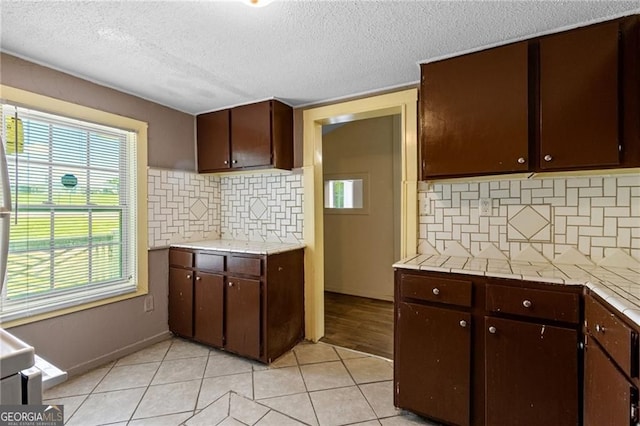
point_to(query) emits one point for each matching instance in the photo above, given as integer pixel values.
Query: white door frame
(403, 103)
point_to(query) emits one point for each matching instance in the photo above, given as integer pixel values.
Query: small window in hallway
(345, 194)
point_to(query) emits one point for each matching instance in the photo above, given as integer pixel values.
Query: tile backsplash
(585, 219)
(186, 206)
(591, 216)
(262, 207)
(182, 206)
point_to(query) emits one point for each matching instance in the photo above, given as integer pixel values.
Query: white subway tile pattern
(186, 206)
(182, 206)
(595, 215)
(262, 207)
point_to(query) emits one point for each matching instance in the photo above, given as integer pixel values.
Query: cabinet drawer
(181, 258)
(617, 338)
(431, 289)
(528, 302)
(210, 261)
(244, 265)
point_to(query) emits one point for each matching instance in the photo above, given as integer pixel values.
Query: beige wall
(171, 132)
(82, 340)
(360, 248)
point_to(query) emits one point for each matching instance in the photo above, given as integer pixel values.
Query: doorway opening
(404, 105)
(361, 175)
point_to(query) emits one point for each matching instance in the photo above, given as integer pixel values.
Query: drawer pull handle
(599, 328)
(527, 303)
(492, 330)
(463, 323)
(198, 278)
(436, 291)
(188, 276)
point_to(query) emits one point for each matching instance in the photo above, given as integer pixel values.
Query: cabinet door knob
(198, 278)
(492, 330)
(599, 328)
(527, 303)
(463, 323)
(226, 162)
(436, 291)
(548, 158)
(521, 160)
(235, 161)
(188, 276)
(230, 284)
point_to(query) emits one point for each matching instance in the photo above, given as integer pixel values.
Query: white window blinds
(73, 193)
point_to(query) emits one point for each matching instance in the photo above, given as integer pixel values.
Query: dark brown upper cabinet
(579, 98)
(567, 101)
(475, 113)
(254, 136)
(214, 149)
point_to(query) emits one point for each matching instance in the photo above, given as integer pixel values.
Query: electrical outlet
(425, 207)
(148, 303)
(484, 207)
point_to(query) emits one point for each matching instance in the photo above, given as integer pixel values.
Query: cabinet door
(579, 98)
(608, 396)
(208, 313)
(243, 315)
(251, 135)
(474, 113)
(433, 362)
(181, 302)
(213, 141)
(531, 374)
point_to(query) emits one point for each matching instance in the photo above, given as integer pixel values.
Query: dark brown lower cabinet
(608, 396)
(181, 302)
(484, 351)
(433, 354)
(531, 374)
(243, 317)
(249, 304)
(208, 312)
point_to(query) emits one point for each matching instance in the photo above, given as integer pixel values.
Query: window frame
(79, 112)
(364, 177)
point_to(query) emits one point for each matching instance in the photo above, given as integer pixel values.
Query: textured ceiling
(199, 56)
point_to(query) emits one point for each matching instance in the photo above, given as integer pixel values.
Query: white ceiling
(199, 56)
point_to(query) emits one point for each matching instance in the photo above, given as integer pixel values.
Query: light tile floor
(177, 382)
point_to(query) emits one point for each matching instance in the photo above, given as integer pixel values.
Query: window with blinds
(73, 221)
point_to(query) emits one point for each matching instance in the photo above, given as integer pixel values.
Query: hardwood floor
(359, 323)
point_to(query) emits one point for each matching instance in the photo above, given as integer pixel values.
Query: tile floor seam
(228, 394)
(315, 413)
(368, 402)
(150, 382)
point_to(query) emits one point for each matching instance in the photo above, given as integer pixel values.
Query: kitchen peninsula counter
(238, 246)
(619, 286)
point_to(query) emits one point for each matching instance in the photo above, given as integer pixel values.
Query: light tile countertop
(620, 287)
(237, 246)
